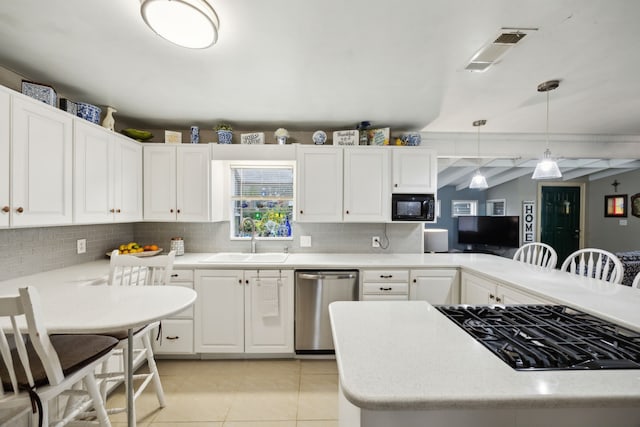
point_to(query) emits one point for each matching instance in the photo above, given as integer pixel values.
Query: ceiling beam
(609, 172)
(510, 175)
(451, 175)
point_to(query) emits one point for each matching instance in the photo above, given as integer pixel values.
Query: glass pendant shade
(547, 168)
(187, 23)
(478, 181)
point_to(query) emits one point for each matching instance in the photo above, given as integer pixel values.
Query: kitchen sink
(242, 257)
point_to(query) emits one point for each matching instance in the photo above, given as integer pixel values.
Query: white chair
(636, 281)
(37, 368)
(127, 270)
(537, 253)
(596, 263)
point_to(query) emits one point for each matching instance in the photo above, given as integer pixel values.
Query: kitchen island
(405, 364)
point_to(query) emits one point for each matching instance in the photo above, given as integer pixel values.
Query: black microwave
(413, 207)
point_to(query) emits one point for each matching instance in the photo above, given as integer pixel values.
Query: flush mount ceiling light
(187, 23)
(491, 52)
(547, 168)
(479, 181)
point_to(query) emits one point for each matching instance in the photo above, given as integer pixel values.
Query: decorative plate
(141, 254)
(319, 137)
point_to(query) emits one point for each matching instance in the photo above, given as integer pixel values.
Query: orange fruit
(154, 247)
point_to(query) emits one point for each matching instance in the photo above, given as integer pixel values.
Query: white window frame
(464, 208)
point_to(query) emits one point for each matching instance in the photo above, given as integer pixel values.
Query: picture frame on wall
(635, 205)
(615, 205)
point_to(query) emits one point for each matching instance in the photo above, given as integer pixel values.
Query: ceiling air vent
(492, 51)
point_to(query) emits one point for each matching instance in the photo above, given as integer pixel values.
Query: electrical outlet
(81, 246)
(305, 241)
(375, 242)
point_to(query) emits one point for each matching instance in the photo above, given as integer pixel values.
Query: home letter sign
(528, 221)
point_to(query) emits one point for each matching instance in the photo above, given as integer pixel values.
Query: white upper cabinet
(337, 184)
(366, 185)
(414, 170)
(5, 135)
(107, 176)
(319, 186)
(41, 164)
(176, 183)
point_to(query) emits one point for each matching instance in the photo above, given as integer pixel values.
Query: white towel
(268, 294)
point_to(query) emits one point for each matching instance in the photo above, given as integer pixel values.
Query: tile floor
(239, 393)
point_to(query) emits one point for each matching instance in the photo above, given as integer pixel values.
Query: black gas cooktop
(548, 337)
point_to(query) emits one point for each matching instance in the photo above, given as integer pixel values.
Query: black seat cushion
(74, 353)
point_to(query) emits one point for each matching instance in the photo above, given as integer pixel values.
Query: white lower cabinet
(385, 285)
(436, 286)
(176, 333)
(244, 311)
(478, 290)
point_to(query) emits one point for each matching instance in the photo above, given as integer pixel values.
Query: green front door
(560, 219)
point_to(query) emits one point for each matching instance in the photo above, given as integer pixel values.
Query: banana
(139, 135)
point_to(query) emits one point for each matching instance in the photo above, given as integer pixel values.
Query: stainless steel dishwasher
(314, 291)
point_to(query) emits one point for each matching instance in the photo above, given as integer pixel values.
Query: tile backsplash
(25, 251)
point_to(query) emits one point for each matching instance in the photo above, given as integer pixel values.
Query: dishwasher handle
(331, 276)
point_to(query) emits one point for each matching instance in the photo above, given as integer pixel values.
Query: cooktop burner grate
(538, 337)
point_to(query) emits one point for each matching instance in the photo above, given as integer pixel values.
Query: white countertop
(407, 355)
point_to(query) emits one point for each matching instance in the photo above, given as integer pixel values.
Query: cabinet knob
(247, 281)
(117, 210)
(498, 299)
(301, 211)
(492, 296)
(175, 337)
(6, 209)
(395, 185)
(20, 210)
(240, 281)
(171, 210)
(112, 210)
(415, 280)
(178, 210)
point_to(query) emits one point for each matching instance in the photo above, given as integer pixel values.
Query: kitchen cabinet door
(219, 311)
(176, 183)
(414, 170)
(234, 312)
(366, 185)
(478, 290)
(269, 316)
(127, 179)
(436, 286)
(93, 180)
(107, 176)
(41, 164)
(193, 183)
(319, 186)
(5, 135)
(159, 183)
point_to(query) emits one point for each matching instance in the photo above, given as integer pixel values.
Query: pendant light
(187, 23)
(478, 181)
(547, 168)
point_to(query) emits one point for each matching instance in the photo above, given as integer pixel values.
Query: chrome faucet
(253, 233)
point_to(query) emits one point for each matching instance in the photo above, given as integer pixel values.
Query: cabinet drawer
(383, 288)
(182, 276)
(176, 338)
(385, 276)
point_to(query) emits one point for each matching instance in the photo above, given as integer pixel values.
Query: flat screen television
(489, 230)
